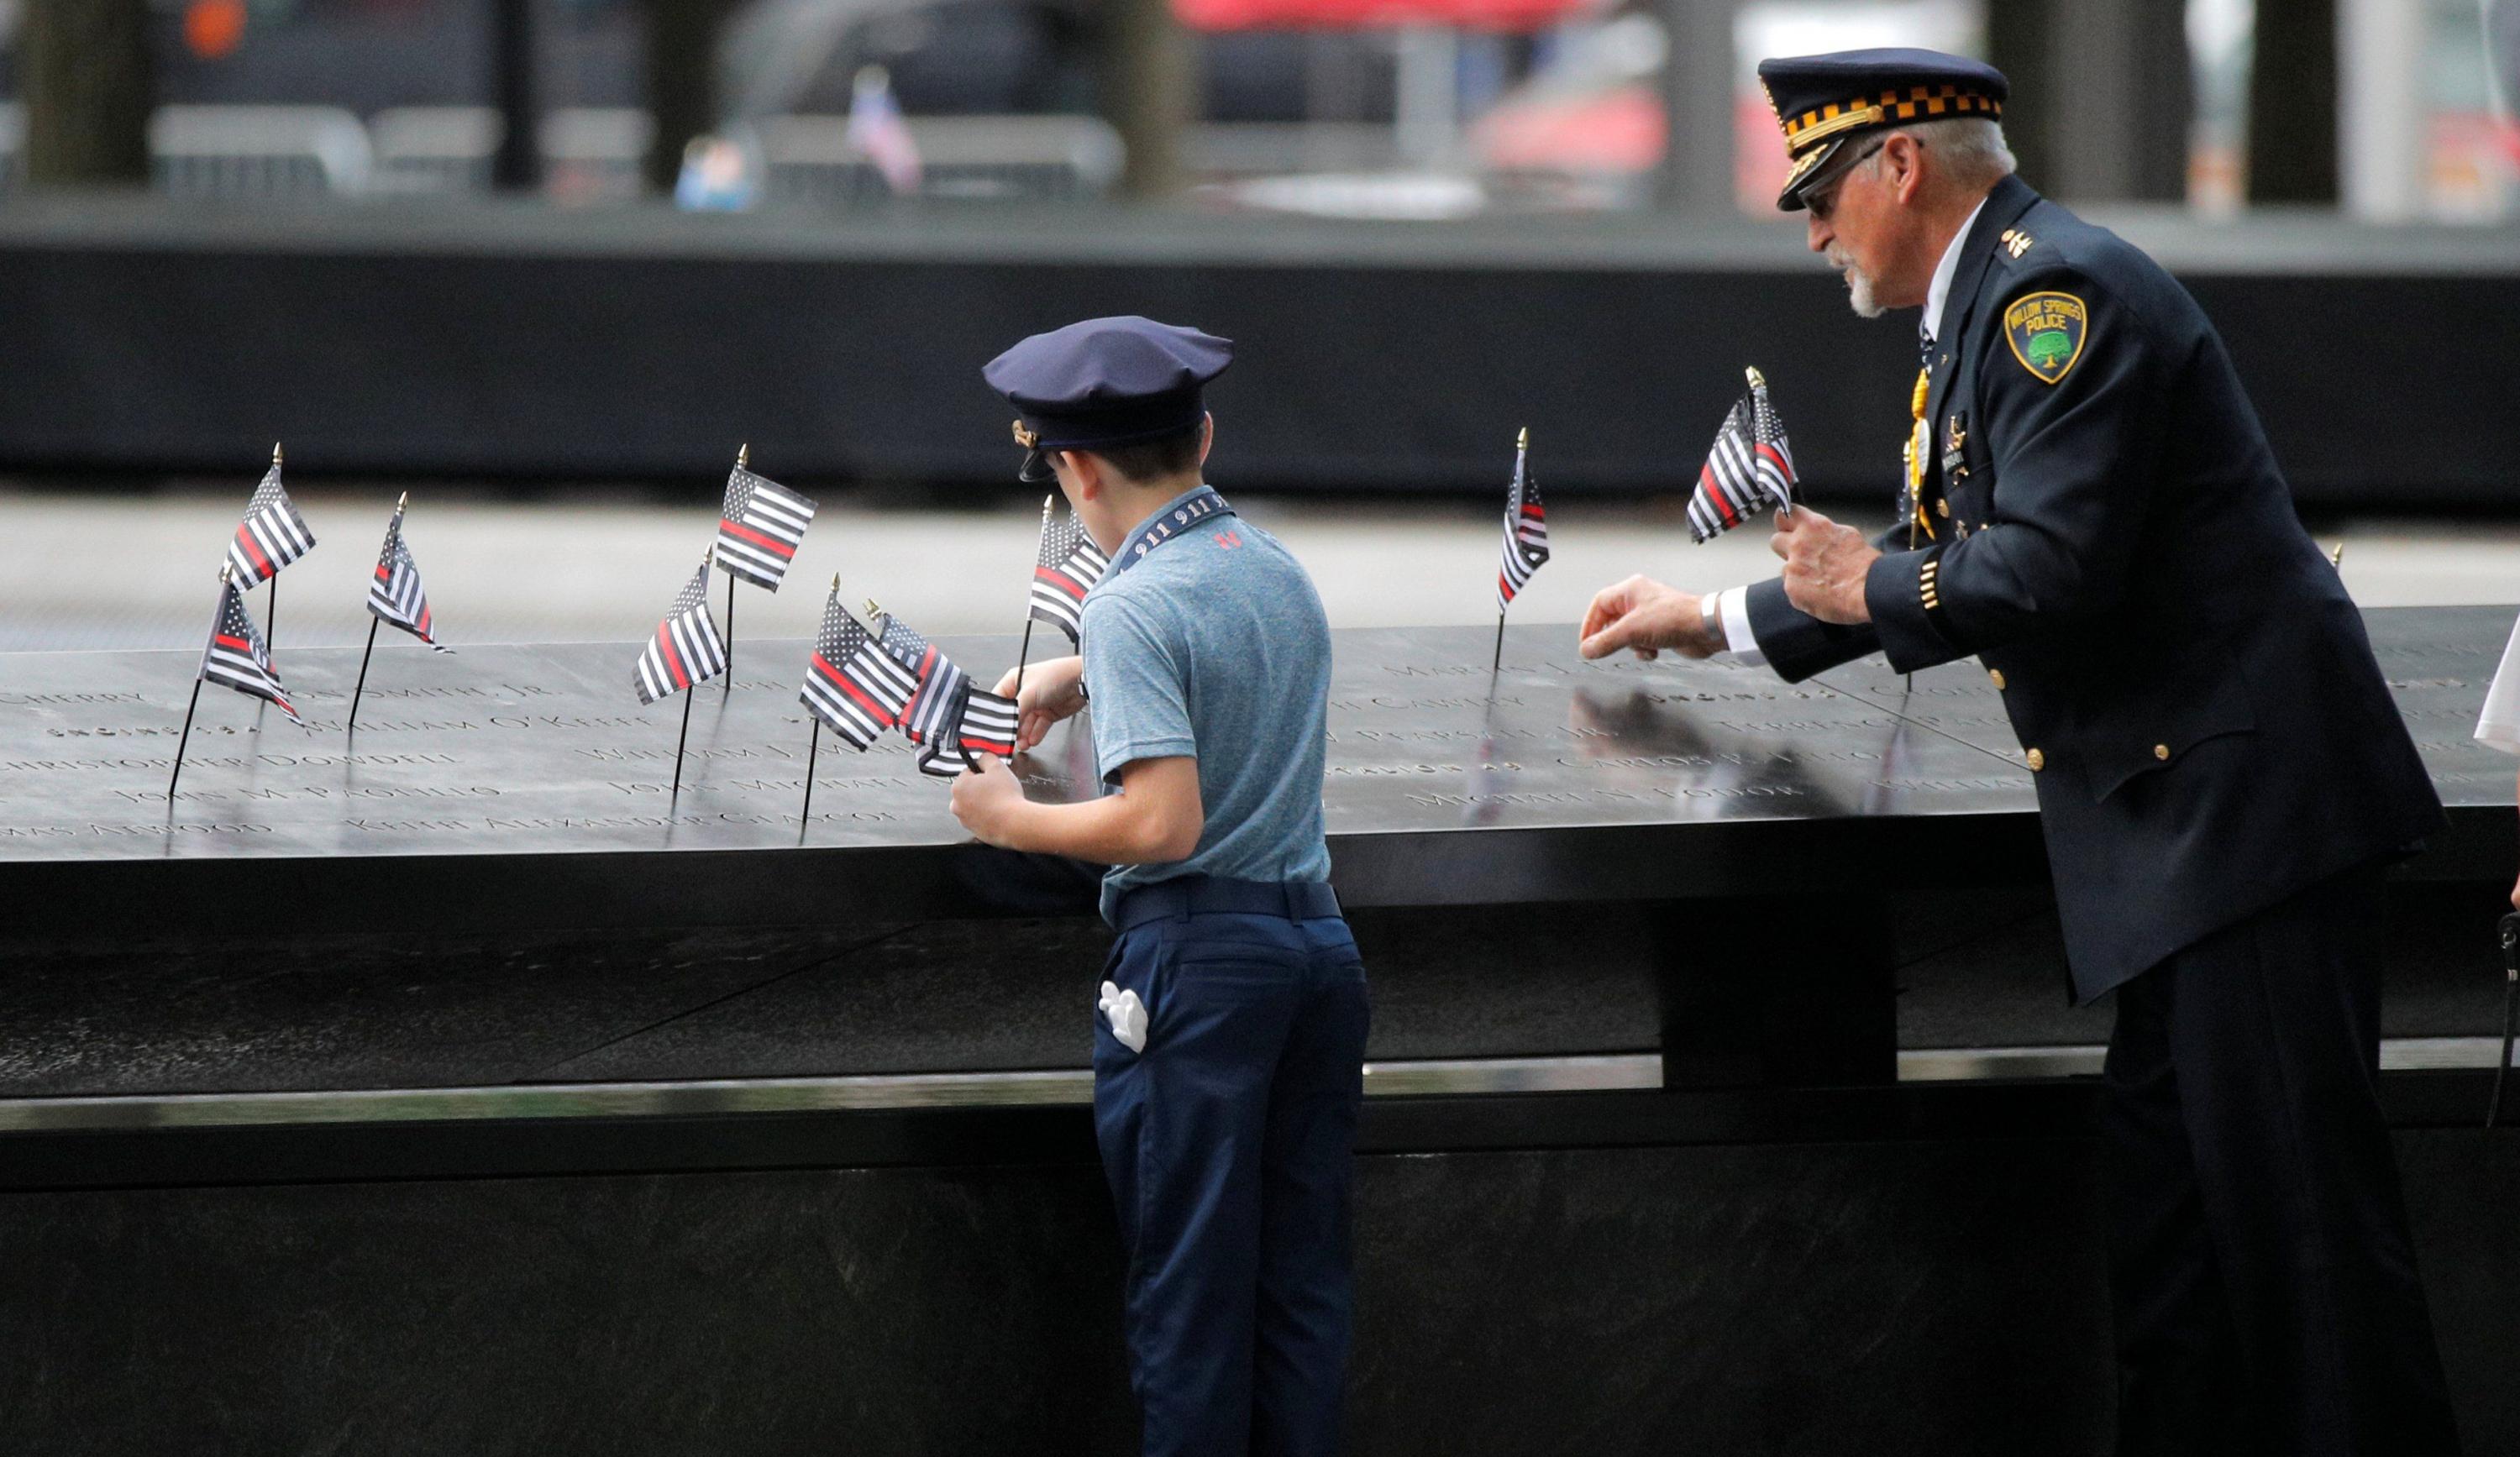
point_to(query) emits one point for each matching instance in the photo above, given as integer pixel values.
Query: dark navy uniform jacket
(2112, 540)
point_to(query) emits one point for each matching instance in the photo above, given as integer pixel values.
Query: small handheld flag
(758, 531)
(234, 655)
(1526, 527)
(975, 721)
(686, 648)
(394, 595)
(238, 656)
(878, 130)
(1066, 568)
(272, 534)
(1751, 468)
(760, 526)
(988, 723)
(939, 679)
(851, 685)
(1526, 537)
(948, 711)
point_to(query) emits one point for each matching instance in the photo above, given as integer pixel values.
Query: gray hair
(1970, 148)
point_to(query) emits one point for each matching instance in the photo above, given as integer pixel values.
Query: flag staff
(271, 608)
(352, 726)
(1521, 443)
(691, 693)
(743, 455)
(677, 790)
(187, 736)
(806, 814)
(1023, 655)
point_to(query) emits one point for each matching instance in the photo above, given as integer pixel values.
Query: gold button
(1997, 675)
(1942, 509)
(2161, 751)
(2038, 761)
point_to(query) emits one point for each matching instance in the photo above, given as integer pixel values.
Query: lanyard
(1197, 505)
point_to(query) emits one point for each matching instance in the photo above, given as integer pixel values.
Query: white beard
(1859, 284)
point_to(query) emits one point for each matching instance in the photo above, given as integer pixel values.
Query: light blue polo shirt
(1213, 645)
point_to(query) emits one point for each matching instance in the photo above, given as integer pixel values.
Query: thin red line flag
(760, 527)
(1526, 527)
(851, 685)
(395, 595)
(272, 534)
(686, 649)
(237, 655)
(1065, 568)
(1750, 469)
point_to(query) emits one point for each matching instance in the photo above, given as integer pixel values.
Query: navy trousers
(1228, 1142)
(2263, 1274)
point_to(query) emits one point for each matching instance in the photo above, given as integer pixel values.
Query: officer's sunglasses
(1823, 201)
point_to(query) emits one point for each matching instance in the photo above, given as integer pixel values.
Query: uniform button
(1996, 674)
(2038, 761)
(2161, 751)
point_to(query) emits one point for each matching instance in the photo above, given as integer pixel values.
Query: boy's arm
(1156, 817)
(1051, 690)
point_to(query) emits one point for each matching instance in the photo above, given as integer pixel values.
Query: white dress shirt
(1732, 605)
(2498, 727)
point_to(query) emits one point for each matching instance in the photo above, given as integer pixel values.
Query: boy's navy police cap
(1105, 381)
(1823, 101)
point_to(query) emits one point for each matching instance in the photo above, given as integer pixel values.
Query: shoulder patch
(2046, 331)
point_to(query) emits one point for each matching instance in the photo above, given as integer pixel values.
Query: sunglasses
(1823, 201)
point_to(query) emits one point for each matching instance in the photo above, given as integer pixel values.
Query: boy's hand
(986, 800)
(1052, 691)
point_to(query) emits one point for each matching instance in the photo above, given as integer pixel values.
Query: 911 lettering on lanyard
(1174, 519)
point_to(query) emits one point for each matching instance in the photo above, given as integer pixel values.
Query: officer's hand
(1051, 691)
(985, 799)
(1645, 616)
(2515, 896)
(1824, 565)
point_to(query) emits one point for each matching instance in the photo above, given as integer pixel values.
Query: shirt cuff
(1734, 606)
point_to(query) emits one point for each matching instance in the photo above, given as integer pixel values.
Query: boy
(1228, 1052)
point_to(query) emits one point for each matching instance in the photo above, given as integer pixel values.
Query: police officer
(1228, 1043)
(2090, 510)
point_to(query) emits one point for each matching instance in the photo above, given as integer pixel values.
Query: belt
(1210, 895)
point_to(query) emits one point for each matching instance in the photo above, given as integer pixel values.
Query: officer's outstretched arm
(2074, 403)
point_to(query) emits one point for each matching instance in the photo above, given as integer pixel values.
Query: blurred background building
(1379, 108)
(537, 253)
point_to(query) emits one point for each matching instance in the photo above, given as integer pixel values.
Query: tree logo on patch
(2045, 332)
